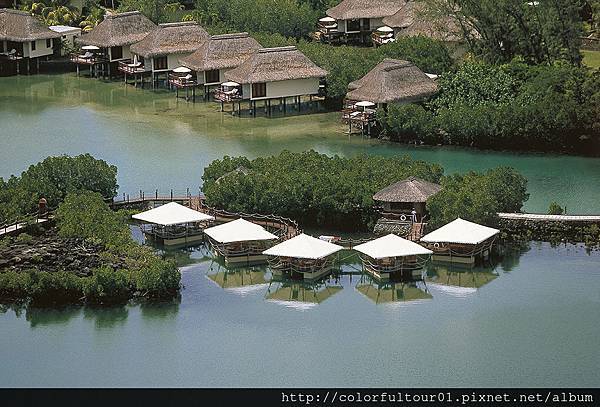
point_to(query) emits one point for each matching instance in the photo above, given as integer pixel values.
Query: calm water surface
(533, 320)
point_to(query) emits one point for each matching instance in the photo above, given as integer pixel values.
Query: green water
(160, 142)
(532, 320)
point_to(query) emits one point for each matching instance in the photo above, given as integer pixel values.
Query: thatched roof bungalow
(277, 73)
(392, 81)
(358, 18)
(117, 32)
(413, 19)
(220, 54)
(404, 196)
(24, 36)
(162, 48)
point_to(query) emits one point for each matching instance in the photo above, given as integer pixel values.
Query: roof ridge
(230, 36)
(277, 49)
(179, 24)
(125, 14)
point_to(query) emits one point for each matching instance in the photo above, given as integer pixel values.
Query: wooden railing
(182, 81)
(227, 96)
(129, 67)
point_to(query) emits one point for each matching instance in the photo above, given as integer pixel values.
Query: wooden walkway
(552, 218)
(16, 227)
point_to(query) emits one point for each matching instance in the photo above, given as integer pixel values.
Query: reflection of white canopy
(364, 103)
(391, 246)
(460, 231)
(90, 48)
(230, 84)
(385, 29)
(327, 20)
(303, 247)
(172, 214)
(182, 69)
(239, 230)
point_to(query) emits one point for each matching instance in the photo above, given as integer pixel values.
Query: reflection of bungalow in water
(301, 295)
(355, 20)
(113, 37)
(392, 257)
(461, 241)
(302, 256)
(240, 281)
(218, 55)
(174, 224)
(23, 38)
(414, 19)
(457, 281)
(276, 73)
(159, 52)
(240, 242)
(399, 292)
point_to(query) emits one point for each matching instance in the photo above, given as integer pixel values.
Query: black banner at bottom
(300, 397)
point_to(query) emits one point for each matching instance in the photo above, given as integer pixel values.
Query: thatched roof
(118, 29)
(392, 81)
(354, 9)
(275, 64)
(222, 52)
(414, 20)
(412, 189)
(20, 26)
(171, 38)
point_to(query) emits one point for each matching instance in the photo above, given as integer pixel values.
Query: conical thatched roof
(354, 9)
(412, 189)
(275, 64)
(414, 20)
(391, 81)
(222, 52)
(119, 29)
(171, 38)
(20, 26)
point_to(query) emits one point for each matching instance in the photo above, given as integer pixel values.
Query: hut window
(116, 53)
(48, 43)
(33, 45)
(212, 76)
(353, 25)
(366, 26)
(259, 90)
(160, 63)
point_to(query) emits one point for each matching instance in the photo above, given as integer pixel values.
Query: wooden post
(254, 108)
(28, 67)
(284, 104)
(77, 65)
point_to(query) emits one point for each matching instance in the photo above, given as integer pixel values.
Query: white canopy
(327, 20)
(385, 29)
(303, 247)
(460, 231)
(230, 84)
(90, 48)
(391, 246)
(172, 214)
(239, 230)
(182, 69)
(364, 103)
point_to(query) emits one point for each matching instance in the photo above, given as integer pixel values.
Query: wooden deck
(16, 228)
(551, 218)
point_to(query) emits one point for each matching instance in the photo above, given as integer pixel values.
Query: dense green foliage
(555, 209)
(310, 187)
(512, 106)
(478, 197)
(53, 178)
(337, 192)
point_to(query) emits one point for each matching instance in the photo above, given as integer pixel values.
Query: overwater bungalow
(218, 55)
(23, 39)
(159, 52)
(301, 294)
(461, 241)
(240, 242)
(391, 257)
(414, 19)
(174, 224)
(276, 73)
(356, 19)
(110, 41)
(68, 35)
(303, 257)
(389, 293)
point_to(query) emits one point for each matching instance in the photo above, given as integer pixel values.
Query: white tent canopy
(239, 230)
(182, 69)
(385, 29)
(327, 20)
(90, 48)
(460, 231)
(364, 103)
(391, 246)
(230, 84)
(172, 214)
(303, 247)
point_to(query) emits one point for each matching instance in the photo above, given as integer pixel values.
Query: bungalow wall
(42, 48)
(374, 23)
(202, 76)
(172, 62)
(126, 54)
(294, 87)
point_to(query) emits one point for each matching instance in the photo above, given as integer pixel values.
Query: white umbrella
(364, 103)
(182, 69)
(90, 48)
(327, 20)
(385, 29)
(230, 84)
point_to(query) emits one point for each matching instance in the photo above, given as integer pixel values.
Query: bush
(15, 285)
(24, 238)
(555, 209)
(157, 279)
(409, 122)
(55, 288)
(431, 56)
(107, 285)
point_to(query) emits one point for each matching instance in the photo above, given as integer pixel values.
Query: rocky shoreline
(551, 231)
